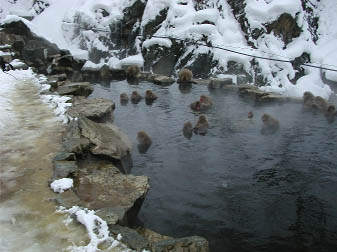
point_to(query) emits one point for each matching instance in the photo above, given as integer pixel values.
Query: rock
(97, 75)
(272, 97)
(98, 110)
(110, 215)
(104, 140)
(285, 27)
(130, 237)
(152, 236)
(118, 74)
(217, 83)
(105, 74)
(33, 49)
(77, 88)
(163, 80)
(205, 82)
(101, 185)
(65, 156)
(63, 169)
(57, 77)
(187, 244)
(68, 199)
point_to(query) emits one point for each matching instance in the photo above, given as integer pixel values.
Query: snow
(261, 12)
(61, 185)
(58, 103)
(97, 229)
(133, 60)
(53, 17)
(21, 6)
(157, 41)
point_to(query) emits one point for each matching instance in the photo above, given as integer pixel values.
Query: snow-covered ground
(96, 227)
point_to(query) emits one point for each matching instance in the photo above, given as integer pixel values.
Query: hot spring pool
(240, 190)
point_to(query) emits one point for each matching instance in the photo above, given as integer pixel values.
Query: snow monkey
(201, 126)
(135, 97)
(124, 98)
(206, 100)
(132, 73)
(203, 104)
(330, 113)
(144, 142)
(320, 104)
(188, 130)
(150, 96)
(250, 114)
(308, 100)
(185, 76)
(270, 125)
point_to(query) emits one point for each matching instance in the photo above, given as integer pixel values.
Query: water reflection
(241, 190)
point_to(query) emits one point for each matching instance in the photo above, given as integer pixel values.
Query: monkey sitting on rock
(185, 76)
(201, 126)
(144, 142)
(270, 125)
(133, 74)
(308, 100)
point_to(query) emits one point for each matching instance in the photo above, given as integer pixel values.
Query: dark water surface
(240, 190)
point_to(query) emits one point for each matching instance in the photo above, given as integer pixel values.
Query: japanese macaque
(330, 113)
(4, 65)
(206, 100)
(201, 126)
(144, 142)
(250, 115)
(203, 104)
(185, 76)
(150, 97)
(320, 104)
(270, 125)
(188, 130)
(308, 100)
(135, 97)
(132, 74)
(124, 98)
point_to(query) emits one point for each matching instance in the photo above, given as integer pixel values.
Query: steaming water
(30, 137)
(240, 190)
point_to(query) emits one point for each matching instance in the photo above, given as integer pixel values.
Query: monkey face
(265, 118)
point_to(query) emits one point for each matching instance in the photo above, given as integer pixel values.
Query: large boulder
(76, 88)
(186, 244)
(34, 50)
(98, 109)
(106, 141)
(116, 197)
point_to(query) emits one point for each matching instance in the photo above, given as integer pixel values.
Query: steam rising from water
(240, 190)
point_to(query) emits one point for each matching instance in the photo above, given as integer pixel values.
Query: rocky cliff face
(210, 37)
(201, 26)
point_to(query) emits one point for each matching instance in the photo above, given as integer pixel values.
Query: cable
(216, 47)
